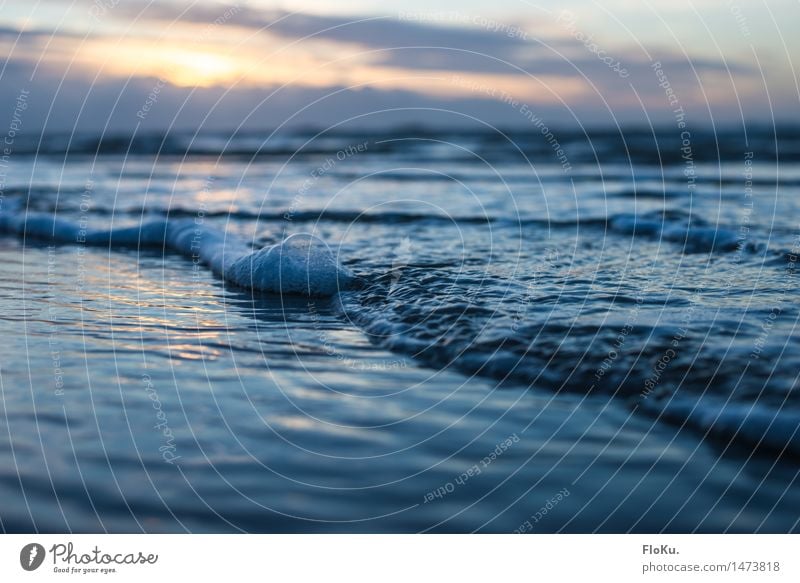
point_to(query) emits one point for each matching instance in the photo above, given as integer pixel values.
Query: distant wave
(775, 428)
(691, 233)
(659, 148)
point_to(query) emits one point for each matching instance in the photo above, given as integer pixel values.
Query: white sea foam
(302, 264)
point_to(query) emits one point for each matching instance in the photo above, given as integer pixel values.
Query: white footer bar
(400, 558)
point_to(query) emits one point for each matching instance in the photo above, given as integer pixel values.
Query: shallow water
(620, 335)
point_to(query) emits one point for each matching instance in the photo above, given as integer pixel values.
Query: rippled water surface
(613, 342)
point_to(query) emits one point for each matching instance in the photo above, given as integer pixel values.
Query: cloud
(67, 102)
(367, 31)
(457, 66)
(420, 45)
(571, 61)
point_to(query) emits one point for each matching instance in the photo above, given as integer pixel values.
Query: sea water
(400, 331)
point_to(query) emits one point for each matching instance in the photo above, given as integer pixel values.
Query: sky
(121, 65)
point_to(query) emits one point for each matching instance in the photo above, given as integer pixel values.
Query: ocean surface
(467, 331)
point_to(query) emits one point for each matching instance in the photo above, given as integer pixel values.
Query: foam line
(301, 264)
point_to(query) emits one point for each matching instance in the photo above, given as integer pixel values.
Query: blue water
(482, 337)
